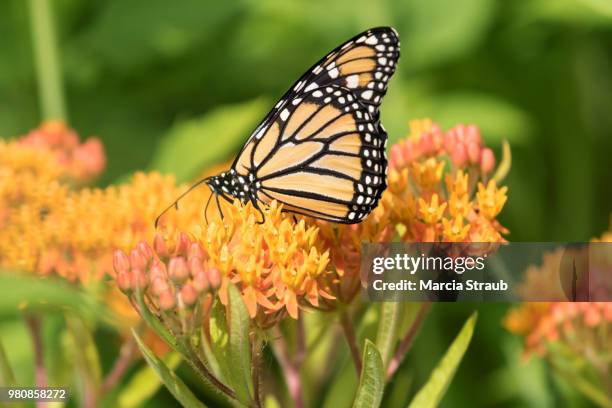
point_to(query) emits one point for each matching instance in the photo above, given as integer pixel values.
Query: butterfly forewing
(321, 150)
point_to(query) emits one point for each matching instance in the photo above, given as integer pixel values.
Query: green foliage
(230, 335)
(433, 391)
(173, 383)
(145, 383)
(372, 379)
(226, 126)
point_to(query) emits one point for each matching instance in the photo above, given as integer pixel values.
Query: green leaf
(85, 351)
(23, 290)
(7, 377)
(372, 381)
(145, 383)
(191, 145)
(433, 391)
(173, 383)
(229, 328)
(386, 337)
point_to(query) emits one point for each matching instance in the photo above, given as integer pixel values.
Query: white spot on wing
(311, 86)
(352, 81)
(284, 115)
(333, 73)
(372, 40)
(366, 94)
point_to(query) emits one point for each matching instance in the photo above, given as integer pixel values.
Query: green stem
(48, 74)
(351, 339)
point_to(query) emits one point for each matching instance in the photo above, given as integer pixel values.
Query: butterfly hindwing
(323, 156)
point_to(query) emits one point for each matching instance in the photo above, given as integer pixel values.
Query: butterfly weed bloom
(569, 335)
(277, 266)
(440, 186)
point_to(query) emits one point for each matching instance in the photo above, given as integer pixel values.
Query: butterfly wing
(321, 150)
(324, 158)
(362, 64)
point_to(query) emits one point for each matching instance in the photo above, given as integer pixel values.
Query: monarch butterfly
(321, 149)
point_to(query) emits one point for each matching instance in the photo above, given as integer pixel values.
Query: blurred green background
(196, 76)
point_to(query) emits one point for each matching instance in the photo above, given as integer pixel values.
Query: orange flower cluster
(425, 201)
(433, 203)
(80, 162)
(576, 325)
(50, 227)
(282, 265)
(276, 265)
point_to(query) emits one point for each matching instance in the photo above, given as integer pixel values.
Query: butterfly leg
(256, 205)
(219, 205)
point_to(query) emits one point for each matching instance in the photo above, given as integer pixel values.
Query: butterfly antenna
(175, 203)
(206, 209)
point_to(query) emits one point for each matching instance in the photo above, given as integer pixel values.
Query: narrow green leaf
(190, 146)
(372, 381)
(240, 346)
(386, 337)
(145, 383)
(173, 383)
(433, 391)
(229, 330)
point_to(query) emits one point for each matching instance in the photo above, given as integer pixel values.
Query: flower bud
(138, 279)
(182, 245)
(137, 260)
(195, 251)
(459, 155)
(160, 247)
(123, 281)
(214, 277)
(487, 160)
(188, 294)
(145, 250)
(121, 263)
(200, 281)
(177, 269)
(159, 285)
(473, 150)
(158, 270)
(473, 135)
(167, 300)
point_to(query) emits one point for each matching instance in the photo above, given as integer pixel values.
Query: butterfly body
(320, 152)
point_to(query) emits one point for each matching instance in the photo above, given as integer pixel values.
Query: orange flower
(491, 200)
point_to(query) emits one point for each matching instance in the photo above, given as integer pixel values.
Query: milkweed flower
(277, 266)
(425, 200)
(567, 333)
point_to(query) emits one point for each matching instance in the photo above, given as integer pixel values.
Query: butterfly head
(231, 185)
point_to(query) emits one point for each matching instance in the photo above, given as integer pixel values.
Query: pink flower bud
(137, 260)
(121, 263)
(158, 286)
(160, 247)
(177, 269)
(473, 135)
(459, 155)
(145, 250)
(395, 156)
(182, 244)
(214, 277)
(487, 160)
(450, 140)
(195, 251)
(200, 281)
(123, 281)
(189, 295)
(427, 144)
(473, 151)
(167, 300)
(158, 270)
(195, 266)
(138, 279)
